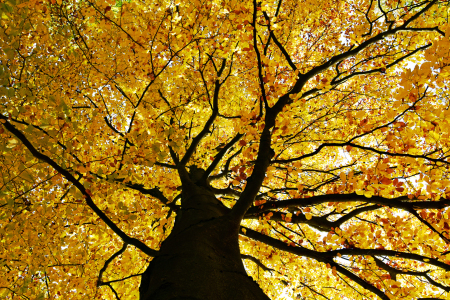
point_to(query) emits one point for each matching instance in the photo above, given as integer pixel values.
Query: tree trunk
(201, 258)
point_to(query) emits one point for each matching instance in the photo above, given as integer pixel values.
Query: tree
(224, 149)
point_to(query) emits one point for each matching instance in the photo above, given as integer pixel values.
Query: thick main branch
(86, 194)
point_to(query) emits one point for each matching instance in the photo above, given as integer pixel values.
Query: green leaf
(9, 53)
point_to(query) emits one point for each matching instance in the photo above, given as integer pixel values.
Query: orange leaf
(386, 181)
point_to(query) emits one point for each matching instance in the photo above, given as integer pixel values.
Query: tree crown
(322, 126)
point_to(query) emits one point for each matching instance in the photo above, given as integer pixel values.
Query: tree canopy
(321, 126)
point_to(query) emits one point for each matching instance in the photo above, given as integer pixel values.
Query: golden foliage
(342, 105)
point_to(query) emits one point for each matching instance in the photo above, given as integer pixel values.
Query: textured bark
(201, 258)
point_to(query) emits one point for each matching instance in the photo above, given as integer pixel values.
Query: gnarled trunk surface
(200, 259)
